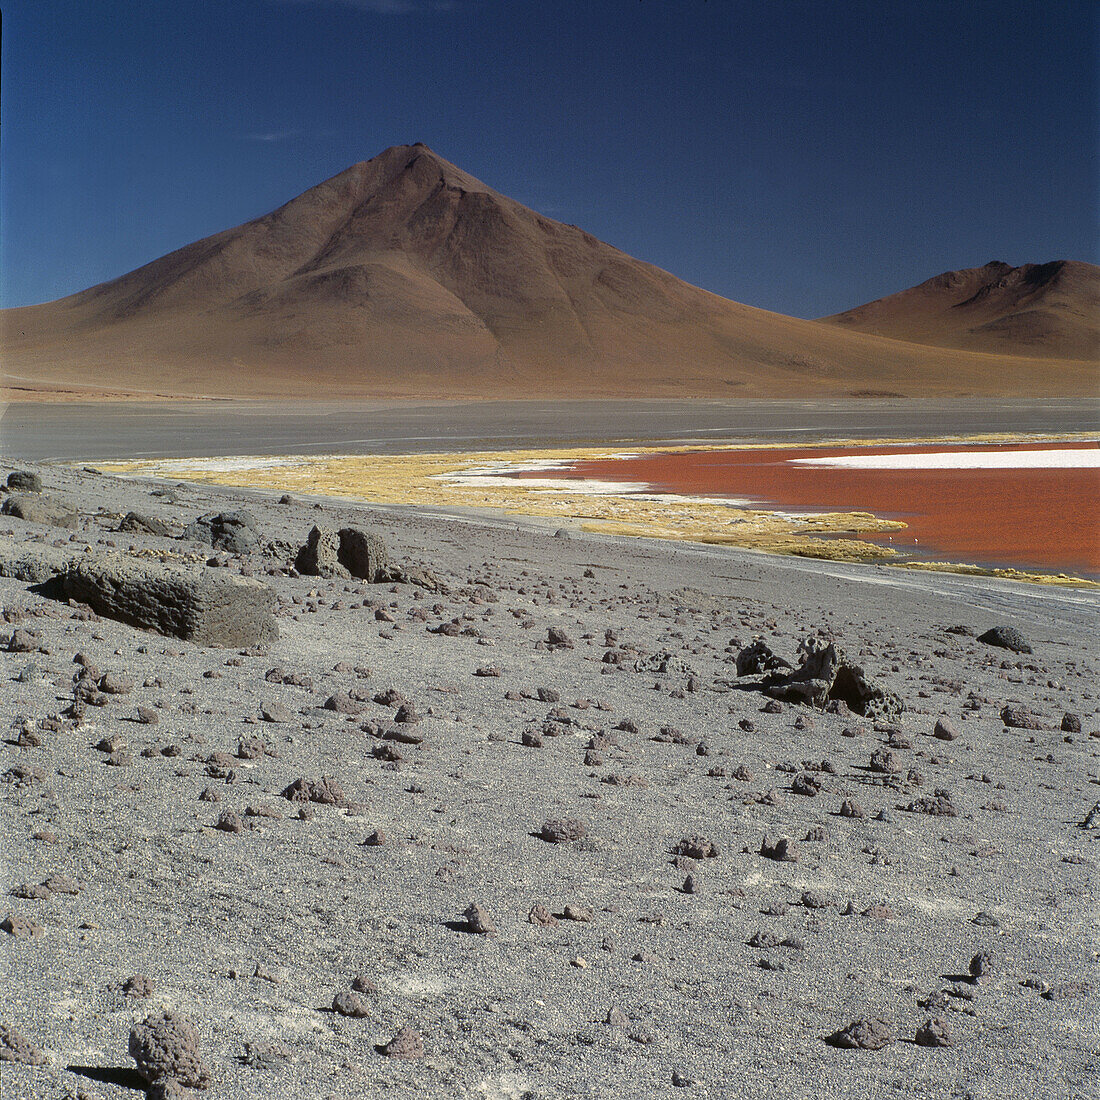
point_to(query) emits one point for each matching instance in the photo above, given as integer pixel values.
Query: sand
(654, 991)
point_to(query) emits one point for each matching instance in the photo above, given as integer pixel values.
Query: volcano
(1050, 310)
(405, 276)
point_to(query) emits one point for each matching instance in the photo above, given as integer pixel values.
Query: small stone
(934, 1033)
(1071, 723)
(556, 638)
(348, 1004)
(478, 920)
(62, 884)
(578, 913)
(325, 790)
(938, 805)
(561, 830)
(265, 974)
(362, 984)
(229, 822)
(1020, 718)
(275, 712)
(1066, 991)
(407, 1043)
(540, 915)
(696, 847)
(850, 808)
(885, 762)
(981, 967)
(167, 1046)
(945, 729)
(111, 683)
(693, 885)
(866, 1033)
(783, 850)
(20, 927)
(763, 938)
(15, 1047)
(343, 703)
(806, 784)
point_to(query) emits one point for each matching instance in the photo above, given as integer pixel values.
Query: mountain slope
(1048, 309)
(405, 276)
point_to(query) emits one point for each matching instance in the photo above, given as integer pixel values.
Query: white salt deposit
(1067, 459)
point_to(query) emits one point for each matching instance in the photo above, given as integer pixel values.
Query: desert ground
(113, 430)
(504, 820)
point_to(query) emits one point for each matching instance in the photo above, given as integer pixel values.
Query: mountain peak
(405, 275)
(1043, 309)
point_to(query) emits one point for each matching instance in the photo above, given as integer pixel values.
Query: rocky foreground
(303, 800)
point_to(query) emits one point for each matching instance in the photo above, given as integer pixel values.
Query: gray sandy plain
(730, 991)
(102, 431)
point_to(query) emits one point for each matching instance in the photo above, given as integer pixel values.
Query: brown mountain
(1038, 309)
(405, 276)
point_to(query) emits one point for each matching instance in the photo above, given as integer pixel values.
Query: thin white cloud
(272, 135)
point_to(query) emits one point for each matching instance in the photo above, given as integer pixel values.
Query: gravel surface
(520, 829)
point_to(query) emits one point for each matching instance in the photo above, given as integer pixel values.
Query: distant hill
(405, 276)
(1050, 310)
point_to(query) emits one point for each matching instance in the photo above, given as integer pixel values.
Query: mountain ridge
(1049, 310)
(404, 275)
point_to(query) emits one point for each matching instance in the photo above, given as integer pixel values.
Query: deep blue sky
(799, 156)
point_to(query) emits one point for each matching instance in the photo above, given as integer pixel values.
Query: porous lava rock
(866, 1033)
(233, 532)
(141, 524)
(184, 601)
(1006, 637)
(348, 552)
(408, 1043)
(35, 508)
(166, 1045)
(826, 675)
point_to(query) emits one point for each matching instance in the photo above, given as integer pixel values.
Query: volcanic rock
(189, 602)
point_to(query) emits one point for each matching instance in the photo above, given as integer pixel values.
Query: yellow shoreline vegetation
(477, 480)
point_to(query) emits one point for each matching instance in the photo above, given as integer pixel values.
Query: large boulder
(233, 532)
(140, 523)
(826, 675)
(190, 602)
(320, 557)
(24, 481)
(33, 564)
(348, 552)
(1006, 637)
(362, 553)
(35, 508)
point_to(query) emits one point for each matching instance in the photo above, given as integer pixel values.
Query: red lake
(972, 503)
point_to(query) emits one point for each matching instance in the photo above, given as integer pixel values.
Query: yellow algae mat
(480, 480)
